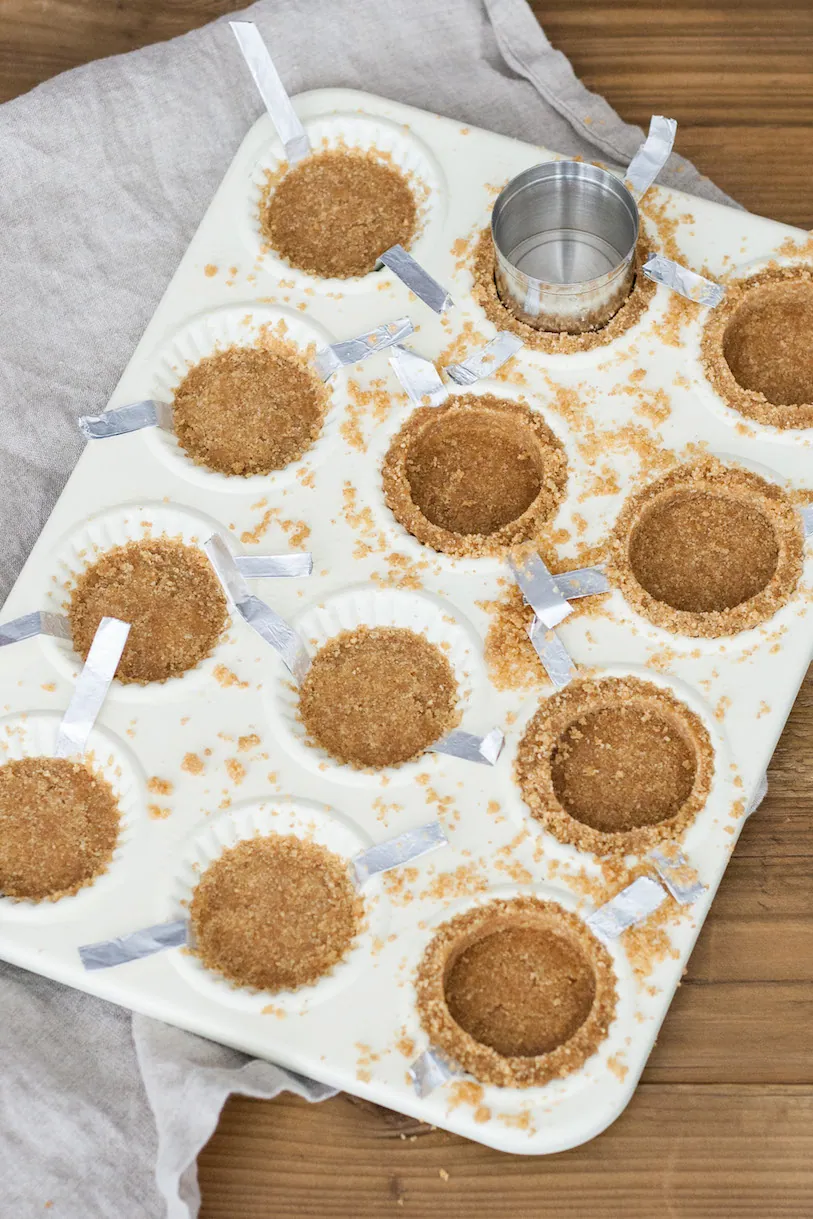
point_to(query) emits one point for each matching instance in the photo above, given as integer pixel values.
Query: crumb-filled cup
(564, 239)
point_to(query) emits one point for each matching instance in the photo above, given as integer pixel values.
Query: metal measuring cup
(565, 233)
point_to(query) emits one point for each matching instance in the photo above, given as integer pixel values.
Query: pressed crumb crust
(484, 291)
(59, 824)
(517, 992)
(275, 913)
(337, 211)
(614, 765)
(168, 593)
(249, 410)
(707, 549)
(378, 696)
(475, 475)
(756, 347)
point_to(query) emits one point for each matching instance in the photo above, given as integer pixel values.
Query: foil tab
(807, 520)
(469, 747)
(412, 274)
(486, 361)
(276, 632)
(652, 155)
(397, 851)
(539, 589)
(631, 906)
(759, 795)
(352, 351)
(428, 1072)
(266, 566)
(556, 660)
(418, 376)
(680, 279)
(582, 582)
(91, 687)
(106, 953)
(41, 622)
(124, 419)
(271, 90)
(678, 875)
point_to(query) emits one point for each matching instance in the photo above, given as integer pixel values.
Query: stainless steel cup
(564, 236)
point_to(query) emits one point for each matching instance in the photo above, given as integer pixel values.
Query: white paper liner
(402, 150)
(307, 820)
(436, 620)
(33, 734)
(234, 325)
(271, 89)
(84, 545)
(651, 157)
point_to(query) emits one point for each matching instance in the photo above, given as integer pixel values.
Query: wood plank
(687, 1152)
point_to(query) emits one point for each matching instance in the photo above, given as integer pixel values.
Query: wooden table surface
(722, 1123)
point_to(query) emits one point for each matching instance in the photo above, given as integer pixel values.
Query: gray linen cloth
(106, 172)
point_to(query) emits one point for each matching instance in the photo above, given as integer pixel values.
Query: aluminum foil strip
(556, 660)
(651, 157)
(486, 361)
(583, 582)
(265, 566)
(41, 622)
(125, 419)
(351, 351)
(539, 589)
(91, 687)
(673, 869)
(759, 795)
(143, 943)
(807, 520)
(276, 632)
(418, 376)
(397, 851)
(631, 906)
(271, 90)
(680, 279)
(416, 279)
(471, 748)
(429, 1072)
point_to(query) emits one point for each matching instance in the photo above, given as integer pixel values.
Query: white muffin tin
(354, 1029)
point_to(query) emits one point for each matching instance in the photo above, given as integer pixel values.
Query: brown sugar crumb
(158, 812)
(168, 593)
(614, 765)
(210, 270)
(275, 913)
(337, 211)
(59, 823)
(192, 764)
(378, 696)
(249, 410)
(756, 349)
(485, 294)
(235, 770)
(707, 549)
(517, 992)
(250, 741)
(474, 476)
(159, 787)
(225, 678)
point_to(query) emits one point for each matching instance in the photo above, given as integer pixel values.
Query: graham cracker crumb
(475, 475)
(614, 765)
(192, 764)
(275, 913)
(59, 824)
(378, 696)
(334, 213)
(517, 992)
(168, 593)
